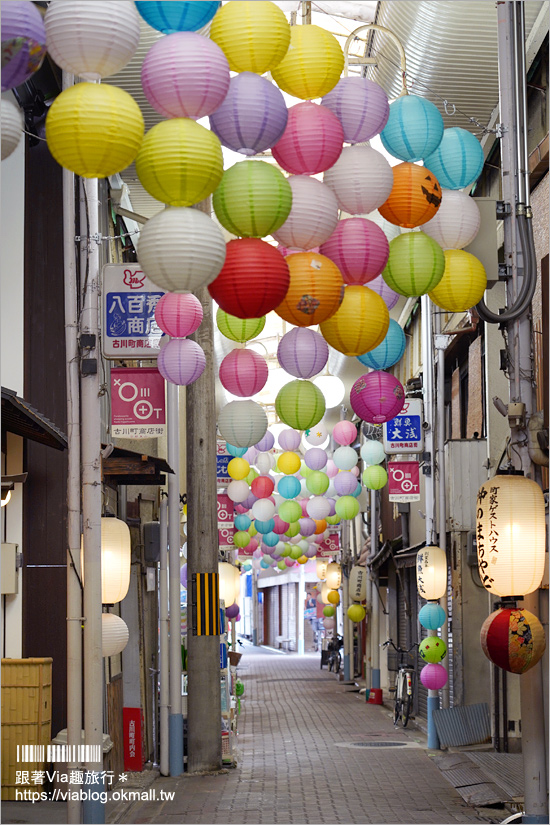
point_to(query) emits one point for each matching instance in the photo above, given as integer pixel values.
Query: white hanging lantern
(92, 40)
(114, 634)
(313, 216)
(263, 509)
(242, 423)
(318, 507)
(325, 590)
(264, 463)
(334, 576)
(361, 179)
(358, 583)
(227, 582)
(116, 551)
(12, 127)
(238, 491)
(511, 535)
(321, 569)
(456, 222)
(431, 572)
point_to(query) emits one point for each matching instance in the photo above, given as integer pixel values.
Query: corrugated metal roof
(463, 724)
(21, 418)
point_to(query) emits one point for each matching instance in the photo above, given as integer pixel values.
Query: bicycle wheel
(397, 711)
(406, 709)
(337, 663)
(330, 662)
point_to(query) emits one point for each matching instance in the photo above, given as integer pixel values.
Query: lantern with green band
(300, 404)
(253, 199)
(415, 265)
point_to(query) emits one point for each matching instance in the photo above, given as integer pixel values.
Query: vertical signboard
(404, 481)
(131, 727)
(128, 302)
(226, 528)
(404, 433)
(137, 403)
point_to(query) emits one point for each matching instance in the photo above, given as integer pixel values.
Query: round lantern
(242, 521)
(321, 569)
(238, 491)
(359, 248)
(317, 435)
(266, 443)
(415, 265)
(456, 222)
(463, 283)
(169, 16)
(242, 423)
(329, 610)
(288, 487)
(226, 573)
(432, 616)
(293, 528)
(458, 160)
(114, 634)
(264, 463)
(414, 198)
(312, 65)
(307, 527)
(361, 106)
(316, 458)
(23, 42)
(359, 324)
(510, 535)
(329, 624)
(375, 477)
(313, 216)
(237, 452)
(238, 469)
(94, 130)
(253, 280)
(334, 597)
(262, 487)
(431, 572)
(241, 539)
(317, 482)
(347, 507)
(288, 463)
(312, 141)
(315, 291)
(361, 179)
(358, 583)
(300, 404)
(280, 526)
(253, 115)
(181, 362)
(179, 314)
(434, 676)
(334, 576)
(264, 508)
(388, 295)
(12, 128)
(180, 162)
(253, 199)
(344, 432)
(387, 353)
(356, 613)
(238, 329)
(302, 352)
(115, 560)
(432, 649)
(289, 440)
(372, 452)
(174, 80)
(318, 508)
(91, 40)
(243, 372)
(290, 511)
(345, 483)
(254, 35)
(345, 458)
(232, 611)
(183, 576)
(513, 639)
(377, 397)
(414, 128)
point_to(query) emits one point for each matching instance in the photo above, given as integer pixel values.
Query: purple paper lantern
(243, 372)
(307, 526)
(249, 501)
(332, 502)
(386, 293)
(359, 248)
(345, 483)
(311, 551)
(250, 456)
(253, 115)
(183, 576)
(181, 361)
(433, 676)
(312, 141)
(289, 440)
(377, 396)
(316, 458)
(174, 80)
(361, 106)
(232, 611)
(23, 42)
(266, 443)
(178, 314)
(302, 352)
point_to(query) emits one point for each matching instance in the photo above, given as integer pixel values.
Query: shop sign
(137, 403)
(404, 481)
(129, 300)
(404, 433)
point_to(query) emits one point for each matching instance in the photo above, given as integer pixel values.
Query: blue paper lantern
(271, 539)
(458, 160)
(389, 352)
(236, 452)
(242, 522)
(431, 616)
(177, 15)
(358, 489)
(265, 527)
(264, 565)
(289, 487)
(414, 129)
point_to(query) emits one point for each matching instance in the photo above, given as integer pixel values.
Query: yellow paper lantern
(356, 612)
(302, 559)
(94, 130)
(313, 64)
(334, 576)
(463, 283)
(334, 597)
(359, 324)
(238, 468)
(254, 35)
(289, 463)
(180, 162)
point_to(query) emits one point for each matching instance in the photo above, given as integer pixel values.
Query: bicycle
(404, 685)
(335, 659)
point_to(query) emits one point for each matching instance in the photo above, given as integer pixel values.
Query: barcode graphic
(59, 753)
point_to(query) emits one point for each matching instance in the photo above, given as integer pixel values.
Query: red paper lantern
(262, 486)
(254, 279)
(513, 639)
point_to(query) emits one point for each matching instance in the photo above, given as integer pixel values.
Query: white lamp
(115, 560)
(227, 582)
(321, 570)
(334, 576)
(114, 634)
(431, 572)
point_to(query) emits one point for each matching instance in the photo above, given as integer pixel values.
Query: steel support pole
(375, 601)
(255, 641)
(300, 611)
(164, 639)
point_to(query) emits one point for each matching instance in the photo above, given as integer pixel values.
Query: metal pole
(300, 611)
(375, 601)
(255, 641)
(164, 642)
(348, 631)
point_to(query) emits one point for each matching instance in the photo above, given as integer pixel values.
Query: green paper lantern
(300, 404)
(317, 482)
(347, 507)
(329, 611)
(375, 477)
(296, 552)
(253, 199)
(356, 612)
(285, 551)
(239, 329)
(290, 511)
(333, 519)
(252, 531)
(416, 264)
(281, 564)
(251, 476)
(432, 649)
(293, 528)
(305, 471)
(241, 538)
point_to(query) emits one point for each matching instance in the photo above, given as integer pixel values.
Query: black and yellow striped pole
(206, 604)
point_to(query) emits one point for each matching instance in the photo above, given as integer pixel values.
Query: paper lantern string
(99, 238)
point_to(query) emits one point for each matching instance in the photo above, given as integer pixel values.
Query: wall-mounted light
(8, 485)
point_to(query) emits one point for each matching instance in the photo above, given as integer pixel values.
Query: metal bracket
(504, 272)
(503, 209)
(500, 130)
(441, 341)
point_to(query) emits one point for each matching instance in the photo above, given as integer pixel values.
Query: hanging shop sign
(404, 481)
(129, 300)
(404, 433)
(131, 728)
(329, 547)
(137, 403)
(226, 527)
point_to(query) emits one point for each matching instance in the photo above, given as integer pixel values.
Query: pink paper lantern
(361, 105)
(258, 553)
(386, 293)
(331, 468)
(289, 440)
(243, 372)
(280, 526)
(377, 396)
(240, 509)
(313, 216)
(289, 562)
(316, 458)
(344, 432)
(303, 505)
(262, 486)
(291, 250)
(181, 361)
(251, 546)
(179, 314)
(174, 79)
(359, 248)
(433, 676)
(312, 141)
(302, 352)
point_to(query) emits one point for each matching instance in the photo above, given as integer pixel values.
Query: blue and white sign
(129, 302)
(221, 468)
(404, 433)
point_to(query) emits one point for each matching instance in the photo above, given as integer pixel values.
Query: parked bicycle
(335, 659)
(404, 684)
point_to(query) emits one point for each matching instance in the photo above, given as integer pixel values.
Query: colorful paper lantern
(329, 610)
(12, 127)
(288, 487)
(361, 179)
(114, 634)
(432, 616)
(307, 526)
(253, 115)
(179, 314)
(312, 65)
(265, 462)
(183, 576)
(375, 477)
(238, 329)
(91, 40)
(238, 469)
(414, 128)
(372, 452)
(317, 435)
(432, 649)
(253, 199)
(377, 396)
(457, 221)
(302, 352)
(356, 613)
(334, 597)
(180, 162)
(387, 353)
(315, 292)
(264, 508)
(359, 248)
(254, 35)
(23, 42)
(241, 539)
(345, 458)
(388, 295)
(431, 572)
(313, 216)
(242, 423)
(415, 196)
(288, 463)
(434, 676)
(513, 639)
(174, 80)
(94, 130)
(266, 443)
(264, 527)
(317, 482)
(181, 361)
(300, 405)
(458, 160)
(232, 611)
(318, 508)
(415, 265)
(290, 511)
(315, 458)
(361, 106)
(243, 372)
(463, 283)
(345, 483)
(253, 280)
(242, 522)
(235, 451)
(347, 507)
(169, 16)
(312, 141)
(289, 440)
(281, 526)
(359, 324)
(181, 250)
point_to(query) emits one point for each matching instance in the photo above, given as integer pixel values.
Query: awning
(20, 418)
(128, 467)
(407, 557)
(388, 549)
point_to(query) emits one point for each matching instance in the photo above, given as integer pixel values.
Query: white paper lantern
(323, 596)
(334, 576)
(358, 583)
(12, 127)
(431, 572)
(321, 569)
(456, 222)
(92, 40)
(115, 560)
(228, 590)
(238, 491)
(263, 509)
(242, 423)
(361, 179)
(114, 634)
(264, 463)
(181, 250)
(313, 216)
(345, 458)
(318, 508)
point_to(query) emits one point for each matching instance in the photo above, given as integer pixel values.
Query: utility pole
(375, 602)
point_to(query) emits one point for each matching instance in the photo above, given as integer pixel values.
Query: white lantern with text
(358, 583)
(227, 582)
(115, 560)
(321, 570)
(431, 572)
(334, 576)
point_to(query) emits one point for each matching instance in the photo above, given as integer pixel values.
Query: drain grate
(409, 744)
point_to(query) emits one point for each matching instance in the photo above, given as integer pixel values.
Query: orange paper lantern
(316, 290)
(415, 196)
(359, 324)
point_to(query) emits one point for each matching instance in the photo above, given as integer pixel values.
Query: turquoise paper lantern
(389, 352)
(431, 616)
(372, 452)
(169, 16)
(236, 452)
(242, 522)
(288, 487)
(458, 160)
(414, 129)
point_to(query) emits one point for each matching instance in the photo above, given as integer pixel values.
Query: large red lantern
(513, 639)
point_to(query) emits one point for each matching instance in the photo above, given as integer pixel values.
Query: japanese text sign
(129, 301)
(131, 726)
(329, 547)
(137, 403)
(404, 481)
(226, 528)
(404, 434)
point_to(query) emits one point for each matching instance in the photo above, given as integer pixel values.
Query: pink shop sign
(137, 403)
